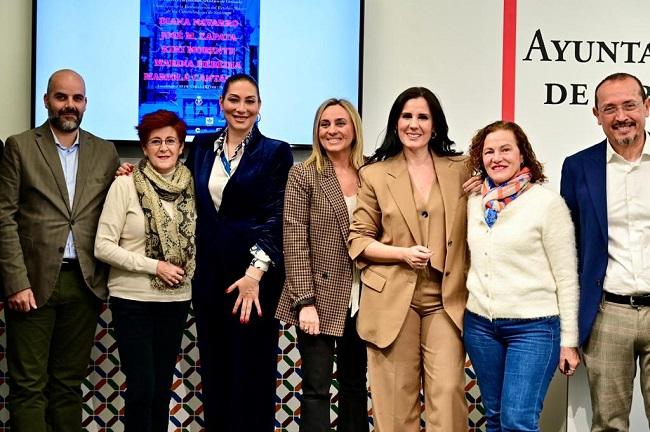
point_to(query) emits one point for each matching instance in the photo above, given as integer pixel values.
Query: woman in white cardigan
(521, 318)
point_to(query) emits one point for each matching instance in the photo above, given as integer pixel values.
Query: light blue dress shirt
(69, 157)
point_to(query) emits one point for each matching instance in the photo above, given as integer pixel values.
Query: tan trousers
(620, 335)
(427, 350)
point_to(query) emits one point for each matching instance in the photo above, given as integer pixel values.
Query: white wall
(422, 43)
(15, 65)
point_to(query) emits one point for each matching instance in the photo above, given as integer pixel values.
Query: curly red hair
(475, 160)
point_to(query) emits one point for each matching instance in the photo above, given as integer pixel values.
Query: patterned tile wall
(104, 386)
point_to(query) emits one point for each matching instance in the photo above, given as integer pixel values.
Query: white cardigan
(525, 266)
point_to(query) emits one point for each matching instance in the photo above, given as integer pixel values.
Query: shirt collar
(611, 156)
(223, 138)
(58, 143)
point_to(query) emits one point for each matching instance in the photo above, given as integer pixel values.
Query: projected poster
(188, 49)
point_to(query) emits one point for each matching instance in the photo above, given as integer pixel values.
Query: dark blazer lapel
(399, 185)
(84, 165)
(47, 146)
(448, 181)
(595, 172)
(332, 190)
(250, 157)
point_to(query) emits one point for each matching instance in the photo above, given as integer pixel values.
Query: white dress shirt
(628, 220)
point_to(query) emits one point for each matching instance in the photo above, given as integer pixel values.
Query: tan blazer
(386, 212)
(35, 213)
(317, 266)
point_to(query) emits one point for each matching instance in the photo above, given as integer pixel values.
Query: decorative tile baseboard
(104, 386)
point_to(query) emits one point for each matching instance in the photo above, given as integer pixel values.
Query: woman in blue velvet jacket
(240, 176)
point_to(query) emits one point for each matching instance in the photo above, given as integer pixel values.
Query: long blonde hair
(318, 154)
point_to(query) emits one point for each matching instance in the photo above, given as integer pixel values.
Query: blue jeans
(514, 361)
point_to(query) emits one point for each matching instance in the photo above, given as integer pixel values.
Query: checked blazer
(316, 227)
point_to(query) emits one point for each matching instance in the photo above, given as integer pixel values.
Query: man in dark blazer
(606, 189)
(53, 180)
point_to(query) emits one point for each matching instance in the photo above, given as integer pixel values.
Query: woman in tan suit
(321, 291)
(408, 237)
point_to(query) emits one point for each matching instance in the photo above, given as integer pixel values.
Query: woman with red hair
(146, 233)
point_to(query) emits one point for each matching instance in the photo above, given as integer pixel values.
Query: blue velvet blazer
(250, 213)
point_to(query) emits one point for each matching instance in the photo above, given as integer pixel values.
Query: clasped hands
(416, 257)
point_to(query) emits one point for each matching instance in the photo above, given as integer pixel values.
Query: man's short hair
(618, 76)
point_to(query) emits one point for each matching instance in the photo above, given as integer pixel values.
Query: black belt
(69, 264)
(640, 300)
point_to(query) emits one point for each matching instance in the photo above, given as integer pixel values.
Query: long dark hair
(440, 144)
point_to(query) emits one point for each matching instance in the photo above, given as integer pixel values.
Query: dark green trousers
(48, 350)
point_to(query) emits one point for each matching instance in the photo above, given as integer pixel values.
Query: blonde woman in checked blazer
(321, 291)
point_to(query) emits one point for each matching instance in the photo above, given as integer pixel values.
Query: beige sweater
(120, 242)
(525, 266)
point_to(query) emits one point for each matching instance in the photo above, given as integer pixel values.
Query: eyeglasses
(627, 107)
(157, 142)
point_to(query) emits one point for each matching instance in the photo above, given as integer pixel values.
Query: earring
(433, 136)
(259, 118)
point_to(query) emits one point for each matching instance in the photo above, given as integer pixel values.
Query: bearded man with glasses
(606, 189)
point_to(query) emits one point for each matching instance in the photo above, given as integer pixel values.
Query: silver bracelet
(252, 277)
